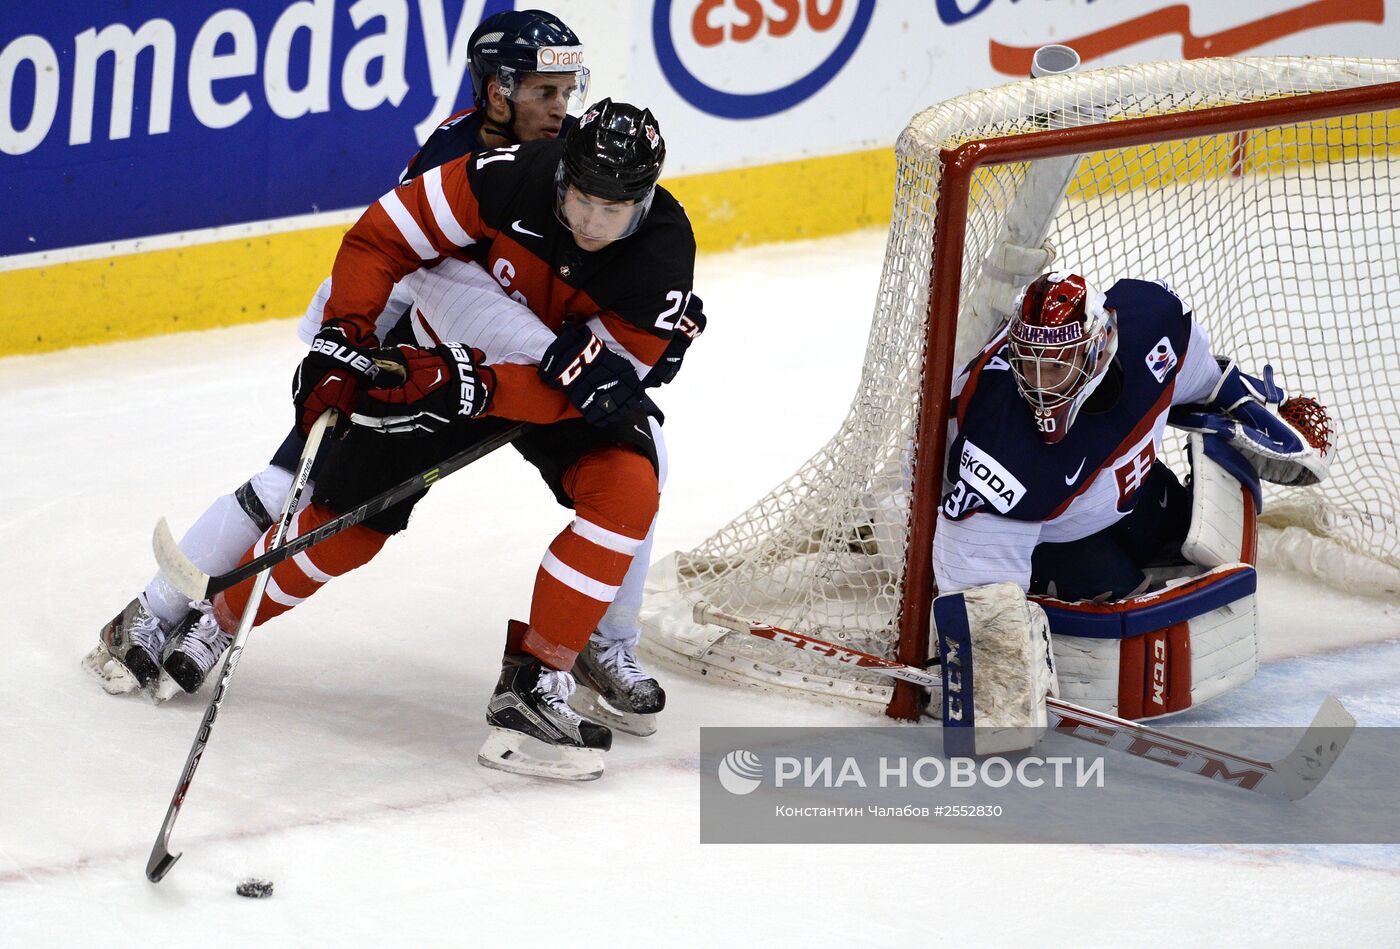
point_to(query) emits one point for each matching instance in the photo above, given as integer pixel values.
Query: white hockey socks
(217, 541)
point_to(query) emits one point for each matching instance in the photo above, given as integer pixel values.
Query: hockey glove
(1235, 390)
(328, 378)
(1287, 442)
(601, 384)
(1274, 444)
(442, 386)
(688, 330)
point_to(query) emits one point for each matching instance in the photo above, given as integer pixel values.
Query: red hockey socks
(615, 499)
(295, 579)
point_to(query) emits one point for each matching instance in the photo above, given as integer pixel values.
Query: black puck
(254, 888)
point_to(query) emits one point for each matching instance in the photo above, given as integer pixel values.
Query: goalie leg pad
(998, 667)
(1225, 500)
(1161, 652)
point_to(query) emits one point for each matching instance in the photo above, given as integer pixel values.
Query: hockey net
(1267, 191)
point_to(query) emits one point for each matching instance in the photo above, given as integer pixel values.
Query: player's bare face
(540, 100)
(597, 222)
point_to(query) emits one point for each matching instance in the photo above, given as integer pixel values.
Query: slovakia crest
(1162, 359)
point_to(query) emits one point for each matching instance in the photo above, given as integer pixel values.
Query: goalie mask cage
(1267, 191)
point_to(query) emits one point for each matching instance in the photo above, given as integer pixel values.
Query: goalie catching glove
(601, 384)
(442, 386)
(1287, 441)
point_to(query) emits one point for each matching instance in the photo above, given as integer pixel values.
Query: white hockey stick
(1290, 778)
(161, 860)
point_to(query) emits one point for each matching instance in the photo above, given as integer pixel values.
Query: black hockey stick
(161, 859)
(1290, 778)
(198, 585)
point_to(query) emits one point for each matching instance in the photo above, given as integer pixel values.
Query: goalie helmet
(607, 178)
(516, 42)
(1062, 340)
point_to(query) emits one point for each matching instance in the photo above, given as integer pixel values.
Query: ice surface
(343, 763)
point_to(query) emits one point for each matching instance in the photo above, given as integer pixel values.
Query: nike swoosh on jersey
(515, 226)
(1070, 479)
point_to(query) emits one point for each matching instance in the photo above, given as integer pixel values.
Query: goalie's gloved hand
(1237, 389)
(1279, 451)
(601, 384)
(341, 359)
(441, 387)
(688, 330)
(1251, 414)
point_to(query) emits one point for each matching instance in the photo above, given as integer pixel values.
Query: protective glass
(541, 88)
(598, 219)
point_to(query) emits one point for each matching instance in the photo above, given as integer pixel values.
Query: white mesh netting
(1283, 238)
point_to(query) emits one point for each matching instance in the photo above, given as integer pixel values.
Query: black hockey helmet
(523, 41)
(614, 153)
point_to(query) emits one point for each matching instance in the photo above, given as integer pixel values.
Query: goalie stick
(161, 860)
(1290, 778)
(198, 585)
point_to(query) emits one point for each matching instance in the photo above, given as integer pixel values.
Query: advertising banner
(251, 133)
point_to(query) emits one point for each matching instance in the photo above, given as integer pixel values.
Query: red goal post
(1267, 190)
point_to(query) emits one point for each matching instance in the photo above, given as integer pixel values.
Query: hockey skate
(615, 689)
(127, 656)
(533, 730)
(194, 646)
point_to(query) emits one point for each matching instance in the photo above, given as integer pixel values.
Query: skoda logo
(747, 60)
(741, 772)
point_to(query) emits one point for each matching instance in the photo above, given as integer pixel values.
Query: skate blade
(593, 706)
(506, 750)
(164, 689)
(114, 677)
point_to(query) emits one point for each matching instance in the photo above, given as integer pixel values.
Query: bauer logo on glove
(442, 386)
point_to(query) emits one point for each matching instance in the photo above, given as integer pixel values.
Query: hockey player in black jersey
(527, 71)
(604, 258)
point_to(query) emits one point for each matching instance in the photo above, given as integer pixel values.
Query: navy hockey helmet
(614, 155)
(1062, 339)
(515, 42)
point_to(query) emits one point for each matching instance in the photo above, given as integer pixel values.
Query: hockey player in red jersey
(527, 73)
(605, 259)
(1054, 480)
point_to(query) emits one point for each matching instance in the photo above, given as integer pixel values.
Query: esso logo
(744, 59)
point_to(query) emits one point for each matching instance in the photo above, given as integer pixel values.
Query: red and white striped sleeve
(412, 226)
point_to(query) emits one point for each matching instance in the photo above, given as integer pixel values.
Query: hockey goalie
(1059, 520)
